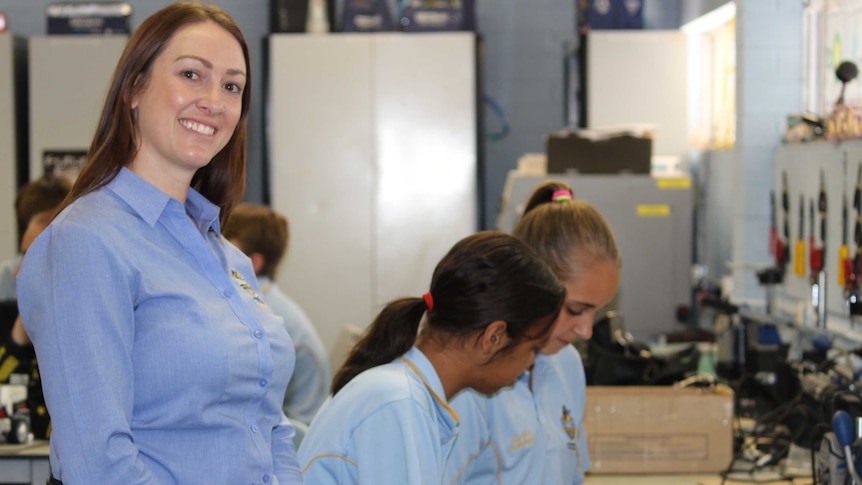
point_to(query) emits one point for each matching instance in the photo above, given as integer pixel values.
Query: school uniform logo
(247, 287)
(523, 440)
(569, 427)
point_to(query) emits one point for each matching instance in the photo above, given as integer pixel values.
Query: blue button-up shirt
(309, 385)
(160, 362)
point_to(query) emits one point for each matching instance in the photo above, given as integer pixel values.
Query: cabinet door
(69, 77)
(425, 115)
(8, 152)
(373, 143)
(322, 173)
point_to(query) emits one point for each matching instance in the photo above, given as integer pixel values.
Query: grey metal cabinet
(652, 223)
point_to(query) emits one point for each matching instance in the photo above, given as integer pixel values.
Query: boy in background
(262, 234)
(40, 195)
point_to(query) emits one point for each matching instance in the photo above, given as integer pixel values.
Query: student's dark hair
(568, 234)
(485, 277)
(42, 194)
(114, 144)
(259, 229)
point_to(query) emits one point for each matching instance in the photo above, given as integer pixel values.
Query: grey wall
(522, 67)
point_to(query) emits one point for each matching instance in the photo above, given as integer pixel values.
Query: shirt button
(263, 383)
(258, 334)
(254, 428)
(266, 479)
(227, 293)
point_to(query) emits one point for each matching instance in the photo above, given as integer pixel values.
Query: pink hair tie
(562, 195)
(429, 301)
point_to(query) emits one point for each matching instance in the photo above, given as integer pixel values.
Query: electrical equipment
(14, 416)
(89, 18)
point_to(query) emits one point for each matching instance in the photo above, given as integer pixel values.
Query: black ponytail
(390, 335)
(485, 277)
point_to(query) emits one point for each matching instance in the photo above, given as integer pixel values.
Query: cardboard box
(658, 429)
(573, 152)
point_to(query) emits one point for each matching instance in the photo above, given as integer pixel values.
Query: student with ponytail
(491, 305)
(533, 432)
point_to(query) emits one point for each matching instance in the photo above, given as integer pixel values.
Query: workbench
(25, 464)
(678, 479)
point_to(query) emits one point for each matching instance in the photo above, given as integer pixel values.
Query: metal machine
(652, 222)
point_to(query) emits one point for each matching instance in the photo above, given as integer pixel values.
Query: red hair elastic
(429, 301)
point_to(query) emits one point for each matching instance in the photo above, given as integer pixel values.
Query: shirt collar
(150, 203)
(420, 364)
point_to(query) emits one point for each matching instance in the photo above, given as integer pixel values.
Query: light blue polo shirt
(536, 434)
(390, 425)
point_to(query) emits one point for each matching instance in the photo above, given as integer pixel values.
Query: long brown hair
(567, 233)
(114, 144)
(485, 277)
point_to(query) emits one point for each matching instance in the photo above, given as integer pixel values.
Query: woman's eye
(233, 87)
(575, 313)
(190, 75)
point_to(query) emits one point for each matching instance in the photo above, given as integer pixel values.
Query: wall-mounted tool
(799, 255)
(843, 250)
(773, 225)
(782, 256)
(774, 275)
(854, 268)
(817, 257)
(821, 208)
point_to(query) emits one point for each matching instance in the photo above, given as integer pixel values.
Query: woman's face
(191, 103)
(594, 288)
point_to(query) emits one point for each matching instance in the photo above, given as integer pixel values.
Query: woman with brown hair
(160, 362)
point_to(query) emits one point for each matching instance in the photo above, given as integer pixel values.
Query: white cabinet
(8, 151)
(69, 77)
(372, 153)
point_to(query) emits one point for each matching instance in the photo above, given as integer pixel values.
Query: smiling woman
(160, 362)
(189, 106)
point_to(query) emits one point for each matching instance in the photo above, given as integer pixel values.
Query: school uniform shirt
(309, 385)
(160, 363)
(474, 458)
(390, 425)
(536, 434)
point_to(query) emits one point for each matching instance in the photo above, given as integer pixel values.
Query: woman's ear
(494, 337)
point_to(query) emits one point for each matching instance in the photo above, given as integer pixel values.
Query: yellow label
(673, 183)
(653, 210)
